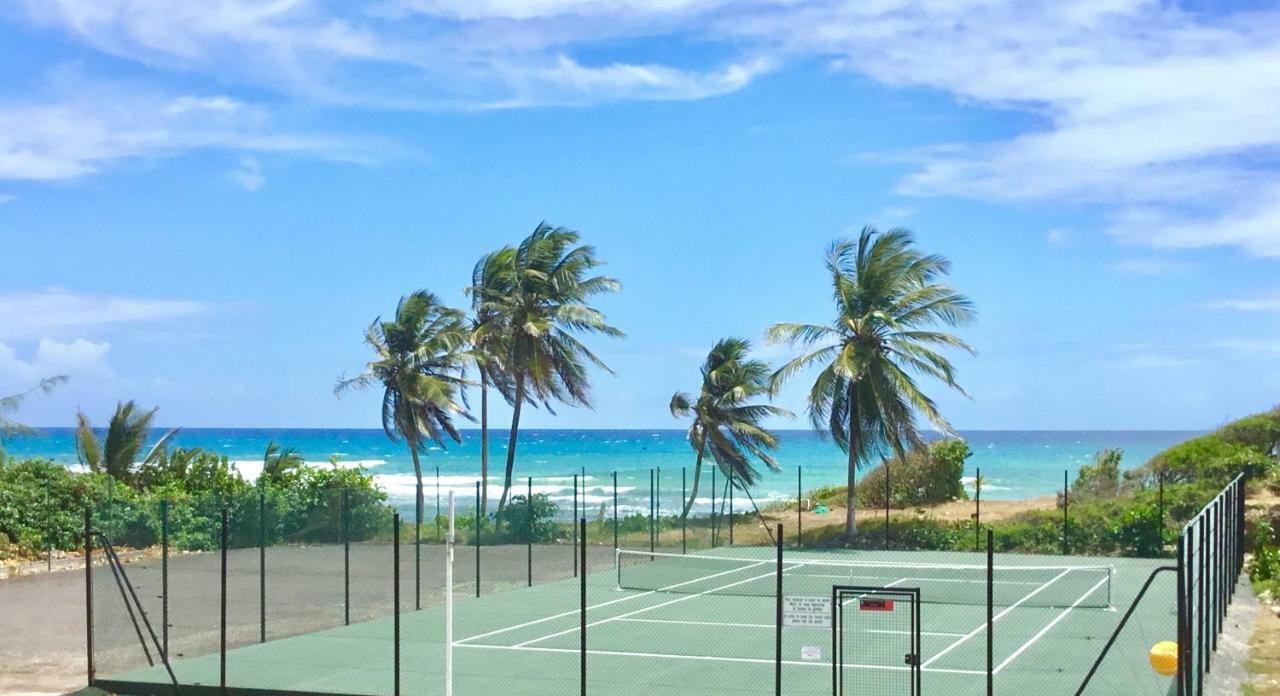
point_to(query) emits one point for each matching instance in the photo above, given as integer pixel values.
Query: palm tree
(420, 360)
(10, 404)
(489, 344)
(278, 462)
(117, 453)
(544, 308)
(887, 303)
(725, 422)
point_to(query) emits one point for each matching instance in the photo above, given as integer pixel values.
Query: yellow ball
(1164, 658)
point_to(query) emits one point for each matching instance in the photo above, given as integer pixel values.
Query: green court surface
(712, 630)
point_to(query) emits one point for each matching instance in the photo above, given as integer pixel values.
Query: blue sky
(203, 204)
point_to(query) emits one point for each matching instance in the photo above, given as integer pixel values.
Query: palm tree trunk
(851, 507)
(484, 441)
(697, 476)
(511, 441)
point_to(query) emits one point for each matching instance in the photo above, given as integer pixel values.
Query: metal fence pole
(529, 532)
(88, 592)
(262, 564)
(977, 509)
(437, 504)
(991, 582)
(345, 527)
(395, 594)
(477, 542)
(684, 517)
(657, 506)
(652, 503)
(799, 506)
(164, 575)
(731, 496)
(1202, 618)
(713, 507)
(1160, 507)
(886, 504)
(582, 614)
(777, 619)
(1066, 546)
(575, 524)
(222, 611)
(1184, 625)
(615, 511)
(417, 550)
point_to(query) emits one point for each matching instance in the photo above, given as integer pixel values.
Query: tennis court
(706, 623)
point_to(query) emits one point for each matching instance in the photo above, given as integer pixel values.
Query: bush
(1259, 432)
(925, 477)
(522, 521)
(1100, 479)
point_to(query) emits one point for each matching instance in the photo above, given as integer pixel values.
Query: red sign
(875, 604)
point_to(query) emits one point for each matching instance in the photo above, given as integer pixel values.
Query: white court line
(725, 624)
(642, 610)
(994, 619)
(1050, 625)
(602, 604)
(881, 577)
(825, 664)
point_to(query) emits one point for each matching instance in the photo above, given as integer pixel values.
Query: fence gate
(875, 641)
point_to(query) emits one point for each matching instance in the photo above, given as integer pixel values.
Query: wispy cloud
(40, 315)
(1058, 236)
(249, 174)
(7, 198)
(1250, 345)
(1255, 304)
(77, 359)
(1150, 267)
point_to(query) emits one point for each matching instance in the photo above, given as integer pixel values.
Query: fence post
(575, 524)
(222, 612)
(529, 533)
(437, 504)
(417, 550)
(615, 510)
(991, 582)
(262, 564)
(1184, 625)
(713, 506)
(1160, 507)
(1202, 618)
(395, 594)
(1066, 546)
(777, 628)
(684, 518)
(164, 575)
(582, 614)
(886, 504)
(88, 592)
(731, 496)
(477, 516)
(652, 503)
(977, 509)
(799, 506)
(657, 505)
(344, 525)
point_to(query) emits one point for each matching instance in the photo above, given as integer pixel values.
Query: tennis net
(1031, 586)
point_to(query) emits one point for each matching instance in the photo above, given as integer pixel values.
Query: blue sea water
(1014, 464)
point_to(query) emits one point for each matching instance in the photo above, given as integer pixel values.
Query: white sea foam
(251, 469)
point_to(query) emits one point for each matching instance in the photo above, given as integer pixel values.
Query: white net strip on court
(940, 583)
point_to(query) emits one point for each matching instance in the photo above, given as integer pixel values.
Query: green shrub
(1100, 479)
(925, 477)
(1264, 561)
(1259, 432)
(522, 521)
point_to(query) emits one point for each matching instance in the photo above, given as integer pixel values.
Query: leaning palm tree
(116, 454)
(888, 302)
(725, 422)
(420, 360)
(544, 306)
(10, 404)
(490, 282)
(278, 462)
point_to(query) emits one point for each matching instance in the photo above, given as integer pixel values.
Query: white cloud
(1256, 304)
(1150, 267)
(39, 315)
(1058, 236)
(1250, 345)
(249, 174)
(78, 359)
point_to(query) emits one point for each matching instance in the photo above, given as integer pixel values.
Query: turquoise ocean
(1014, 464)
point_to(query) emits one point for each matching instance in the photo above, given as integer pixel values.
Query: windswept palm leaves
(490, 342)
(278, 462)
(888, 302)
(726, 423)
(419, 363)
(9, 405)
(116, 454)
(541, 297)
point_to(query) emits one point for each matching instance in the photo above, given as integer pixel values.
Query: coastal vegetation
(9, 405)
(888, 302)
(727, 423)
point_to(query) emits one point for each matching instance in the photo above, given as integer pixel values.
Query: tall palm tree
(725, 422)
(419, 363)
(888, 303)
(544, 307)
(10, 404)
(490, 280)
(116, 454)
(279, 461)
